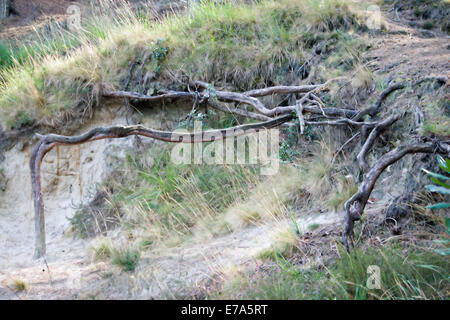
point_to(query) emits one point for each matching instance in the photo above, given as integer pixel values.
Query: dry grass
(267, 201)
(317, 170)
(405, 274)
(101, 249)
(363, 79)
(284, 244)
(244, 45)
(164, 203)
(19, 285)
(345, 188)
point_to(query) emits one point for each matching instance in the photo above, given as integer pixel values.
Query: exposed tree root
(211, 95)
(354, 206)
(373, 110)
(308, 102)
(48, 142)
(371, 140)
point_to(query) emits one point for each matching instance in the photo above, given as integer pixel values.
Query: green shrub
(440, 186)
(428, 25)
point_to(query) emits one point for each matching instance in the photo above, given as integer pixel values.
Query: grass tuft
(284, 245)
(19, 285)
(125, 257)
(346, 188)
(102, 250)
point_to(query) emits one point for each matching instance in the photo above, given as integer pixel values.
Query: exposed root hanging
(308, 102)
(48, 142)
(354, 206)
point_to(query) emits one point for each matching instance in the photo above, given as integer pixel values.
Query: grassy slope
(240, 47)
(244, 46)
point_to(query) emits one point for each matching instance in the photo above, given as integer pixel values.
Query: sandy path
(175, 272)
(159, 275)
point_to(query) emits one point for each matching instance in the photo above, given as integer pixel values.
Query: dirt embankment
(27, 15)
(70, 172)
(69, 177)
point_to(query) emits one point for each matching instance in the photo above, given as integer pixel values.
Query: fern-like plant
(441, 187)
(440, 181)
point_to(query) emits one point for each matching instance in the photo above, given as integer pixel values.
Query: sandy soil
(166, 274)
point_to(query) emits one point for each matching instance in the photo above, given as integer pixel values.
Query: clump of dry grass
(345, 188)
(19, 285)
(267, 200)
(101, 249)
(98, 216)
(317, 170)
(284, 244)
(165, 203)
(363, 79)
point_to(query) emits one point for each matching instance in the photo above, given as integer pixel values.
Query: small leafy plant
(443, 188)
(440, 186)
(125, 257)
(159, 53)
